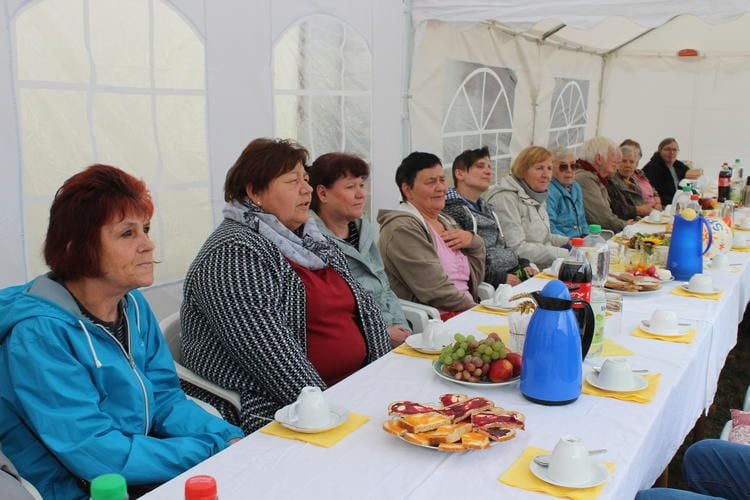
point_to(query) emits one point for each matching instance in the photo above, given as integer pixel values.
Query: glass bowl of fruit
(472, 362)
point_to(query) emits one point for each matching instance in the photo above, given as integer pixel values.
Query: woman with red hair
(87, 383)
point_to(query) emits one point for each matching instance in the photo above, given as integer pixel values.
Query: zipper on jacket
(129, 357)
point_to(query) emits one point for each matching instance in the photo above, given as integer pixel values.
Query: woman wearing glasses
(565, 199)
(665, 171)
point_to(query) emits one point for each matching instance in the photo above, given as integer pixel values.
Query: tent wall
(535, 68)
(231, 88)
(650, 94)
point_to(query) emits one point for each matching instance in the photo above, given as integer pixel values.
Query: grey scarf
(534, 195)
(312, 250)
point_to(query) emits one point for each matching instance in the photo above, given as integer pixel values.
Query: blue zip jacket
(565, 209)
(74, 404)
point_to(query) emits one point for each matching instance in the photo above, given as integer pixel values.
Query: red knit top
(335, 345)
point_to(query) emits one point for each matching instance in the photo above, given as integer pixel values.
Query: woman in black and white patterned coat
(270, 305)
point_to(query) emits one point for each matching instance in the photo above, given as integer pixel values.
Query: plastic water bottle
(597, 253)
(109, 487)
(737, 189)
(201, 487)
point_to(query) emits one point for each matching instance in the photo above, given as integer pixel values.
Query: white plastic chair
(172, 330)
(728, 426)
(31, 489)
(418, 314)
(485, 291)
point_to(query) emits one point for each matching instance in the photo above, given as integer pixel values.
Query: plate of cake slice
(458, 423)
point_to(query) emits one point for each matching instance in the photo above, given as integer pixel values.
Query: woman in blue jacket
(565, 199)
(87, 383)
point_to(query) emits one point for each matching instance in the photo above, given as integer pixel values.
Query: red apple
(500, 369)
(515, 360)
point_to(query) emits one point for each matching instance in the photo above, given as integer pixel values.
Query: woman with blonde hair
(520, 201)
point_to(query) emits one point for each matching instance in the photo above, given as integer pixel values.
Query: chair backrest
(172, 330)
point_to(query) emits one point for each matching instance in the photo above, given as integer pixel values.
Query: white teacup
(654, 216)
(743, 222)
(570, 462)
(664, 321)
(502, 295)
(433, 334)
(616, 374)
(556, 264)
(701, 283)
(311, 410)
(720, 262)
(739, 239)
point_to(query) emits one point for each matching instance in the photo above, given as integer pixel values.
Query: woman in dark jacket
(665, 171)
(270, 305)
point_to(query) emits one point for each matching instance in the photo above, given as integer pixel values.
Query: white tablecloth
(641, 438)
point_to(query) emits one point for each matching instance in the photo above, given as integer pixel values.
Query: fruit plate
(438, 367)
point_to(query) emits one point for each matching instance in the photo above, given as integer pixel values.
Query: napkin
(643, 396)
(408, 351)
(501, 330)
(519, 475)
(678, 290)
(612, 348)
(480, 308)
(680, 339)
(545, 276)
(325, 439)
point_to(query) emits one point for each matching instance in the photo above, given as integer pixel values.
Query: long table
(641, 438)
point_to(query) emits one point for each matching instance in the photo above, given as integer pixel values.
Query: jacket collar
(583, 164)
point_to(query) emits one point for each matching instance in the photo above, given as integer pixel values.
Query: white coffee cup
(739, 239)
(555, 266)
(570, 462)
(311, 410)
(701, 283)
(654, 216)
(742, 222)
(616, 374)
(433, 334)
(664, 321)
(720, 262)
(502, 295)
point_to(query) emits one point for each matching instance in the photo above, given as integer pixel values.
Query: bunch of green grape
(467, 352)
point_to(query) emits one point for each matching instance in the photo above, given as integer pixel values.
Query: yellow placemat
(519, 475)
(678, 290)
(643, 396)
(545, 276)
(408, 351)
(680, 339)
(480, 308)
(618, 268)
(324, 439)
(612, 348)
(501, 330)
(741, 249)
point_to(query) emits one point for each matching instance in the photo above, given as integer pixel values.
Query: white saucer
(415, 342)
(645, 325)
(641, 383)
(660, 220)
(338, 416)
(685, 287)
(550, 271)
(489, 304)
(600, 476)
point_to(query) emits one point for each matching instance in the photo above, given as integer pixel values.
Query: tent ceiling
(594, 25)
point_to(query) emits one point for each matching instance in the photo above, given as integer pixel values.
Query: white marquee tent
(173, 90)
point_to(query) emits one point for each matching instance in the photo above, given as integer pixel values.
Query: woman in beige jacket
(520, 201)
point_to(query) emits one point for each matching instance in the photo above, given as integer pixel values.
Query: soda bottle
(109, 487)
(725, 182)
(201, 487)
(575, 272)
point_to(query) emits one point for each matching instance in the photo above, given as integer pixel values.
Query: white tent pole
(556, 43)
(406, 82)
(605, 60)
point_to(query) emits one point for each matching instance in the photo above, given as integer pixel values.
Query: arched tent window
(119, 83)
(480, 113)
(322, 81)
(568, 115)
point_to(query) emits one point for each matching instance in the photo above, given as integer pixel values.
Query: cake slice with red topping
(465, 409)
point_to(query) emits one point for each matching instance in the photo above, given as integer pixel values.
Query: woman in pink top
(648, 193)
(427, 257)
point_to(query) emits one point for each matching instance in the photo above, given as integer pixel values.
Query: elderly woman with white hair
(597, 164)
(625, 182)
(565, 199)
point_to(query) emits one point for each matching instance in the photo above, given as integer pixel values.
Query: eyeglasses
(565, 166)
(671, 150)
